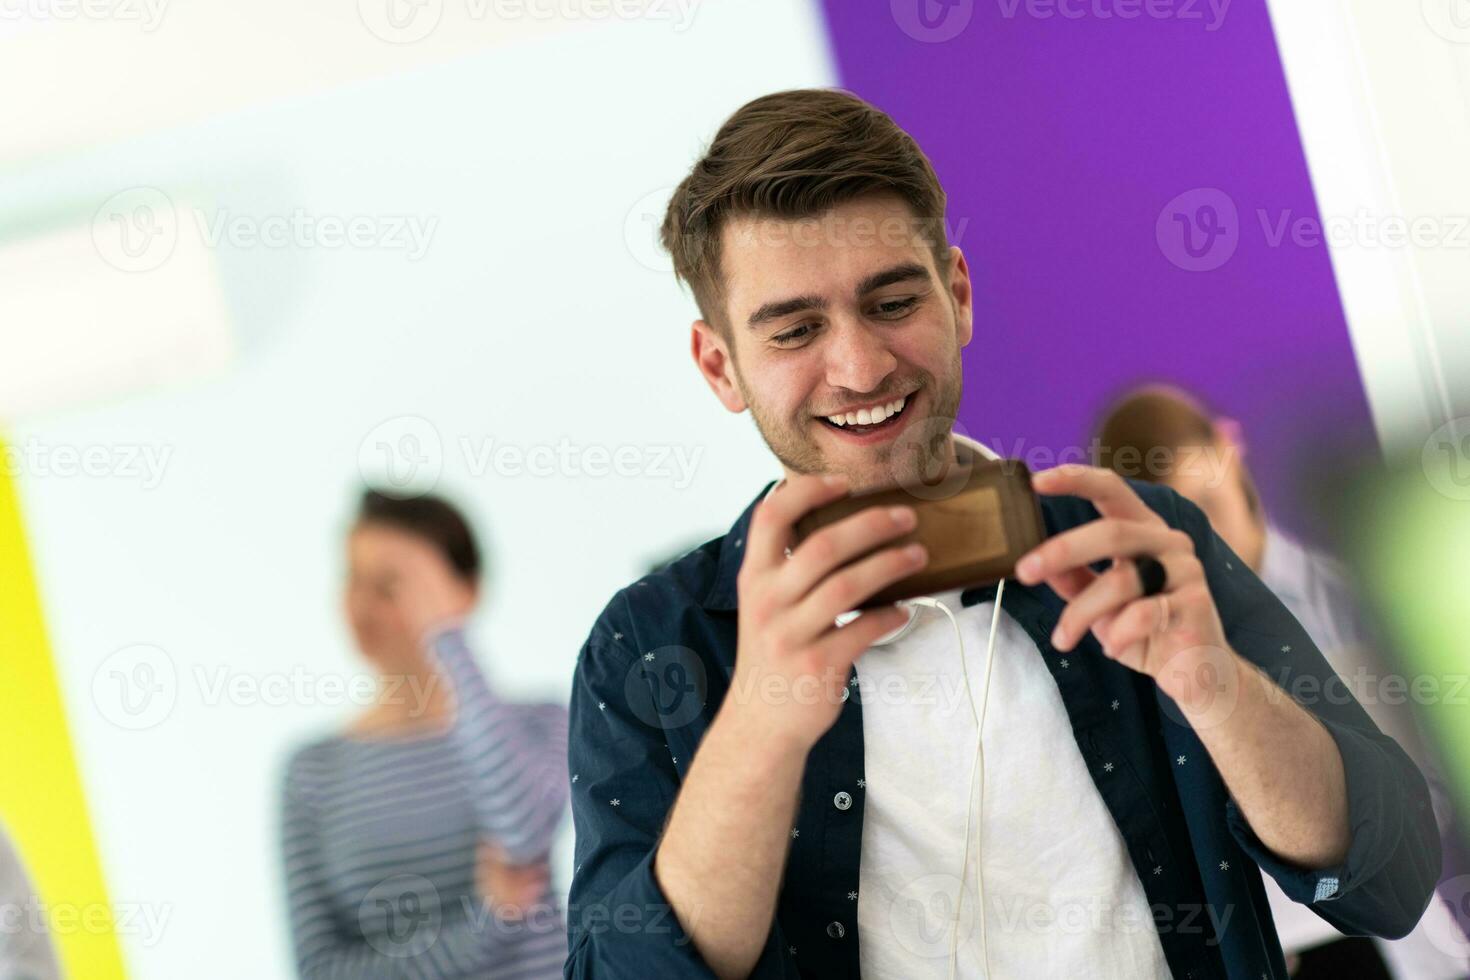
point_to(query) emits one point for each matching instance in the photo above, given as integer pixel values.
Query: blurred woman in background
(415, 842)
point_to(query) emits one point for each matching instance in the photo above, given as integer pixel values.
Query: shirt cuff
(634, 926)
(1379, 803)
(1303, 885)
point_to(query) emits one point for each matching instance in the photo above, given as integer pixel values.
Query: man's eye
(895, 308)
(794, 334)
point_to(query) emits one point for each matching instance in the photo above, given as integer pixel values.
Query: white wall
(1382, 97)
(529, 319)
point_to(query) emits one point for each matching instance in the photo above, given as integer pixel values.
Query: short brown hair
(428, 517)
(1147, 421)
(794, 155)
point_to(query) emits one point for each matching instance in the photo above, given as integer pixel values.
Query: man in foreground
(746, 805)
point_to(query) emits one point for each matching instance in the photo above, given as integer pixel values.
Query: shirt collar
(723, 596)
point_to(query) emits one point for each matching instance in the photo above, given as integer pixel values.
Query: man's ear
(962, 294)
(712, 356)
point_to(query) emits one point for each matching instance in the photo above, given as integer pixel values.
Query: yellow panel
(41, 800)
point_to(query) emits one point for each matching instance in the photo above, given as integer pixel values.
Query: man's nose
(858, 359)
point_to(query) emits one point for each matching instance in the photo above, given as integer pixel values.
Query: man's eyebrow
(767, 312)
(899, 273)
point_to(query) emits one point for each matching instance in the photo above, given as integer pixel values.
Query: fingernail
(1058, 638)
(834, 479)
(1029, 568)
(902, 516)
(914, 552)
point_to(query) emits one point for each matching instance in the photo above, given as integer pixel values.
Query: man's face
(842, 315)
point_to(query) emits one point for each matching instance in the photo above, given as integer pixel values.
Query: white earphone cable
(976, 765)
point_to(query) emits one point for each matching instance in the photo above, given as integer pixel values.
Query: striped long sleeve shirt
(379, 839)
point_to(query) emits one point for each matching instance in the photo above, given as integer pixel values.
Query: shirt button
(842, 801)
(835, 930)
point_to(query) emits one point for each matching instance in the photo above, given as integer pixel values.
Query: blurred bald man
(1165, 435)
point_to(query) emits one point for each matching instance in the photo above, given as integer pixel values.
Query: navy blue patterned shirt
(658, 663)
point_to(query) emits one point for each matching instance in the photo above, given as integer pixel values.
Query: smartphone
(976, 526)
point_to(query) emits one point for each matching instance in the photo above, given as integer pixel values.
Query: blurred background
(253, 256)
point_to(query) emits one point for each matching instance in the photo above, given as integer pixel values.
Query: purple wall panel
(1061, 142)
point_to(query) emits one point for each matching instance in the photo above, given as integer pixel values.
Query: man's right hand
(792, 661)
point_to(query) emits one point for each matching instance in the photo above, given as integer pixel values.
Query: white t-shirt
(1061, 894)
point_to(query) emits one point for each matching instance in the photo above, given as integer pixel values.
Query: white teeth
(866, 416)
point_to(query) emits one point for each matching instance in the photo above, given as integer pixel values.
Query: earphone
(978, 764)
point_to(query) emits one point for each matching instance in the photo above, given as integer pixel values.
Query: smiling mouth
(867, 420)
